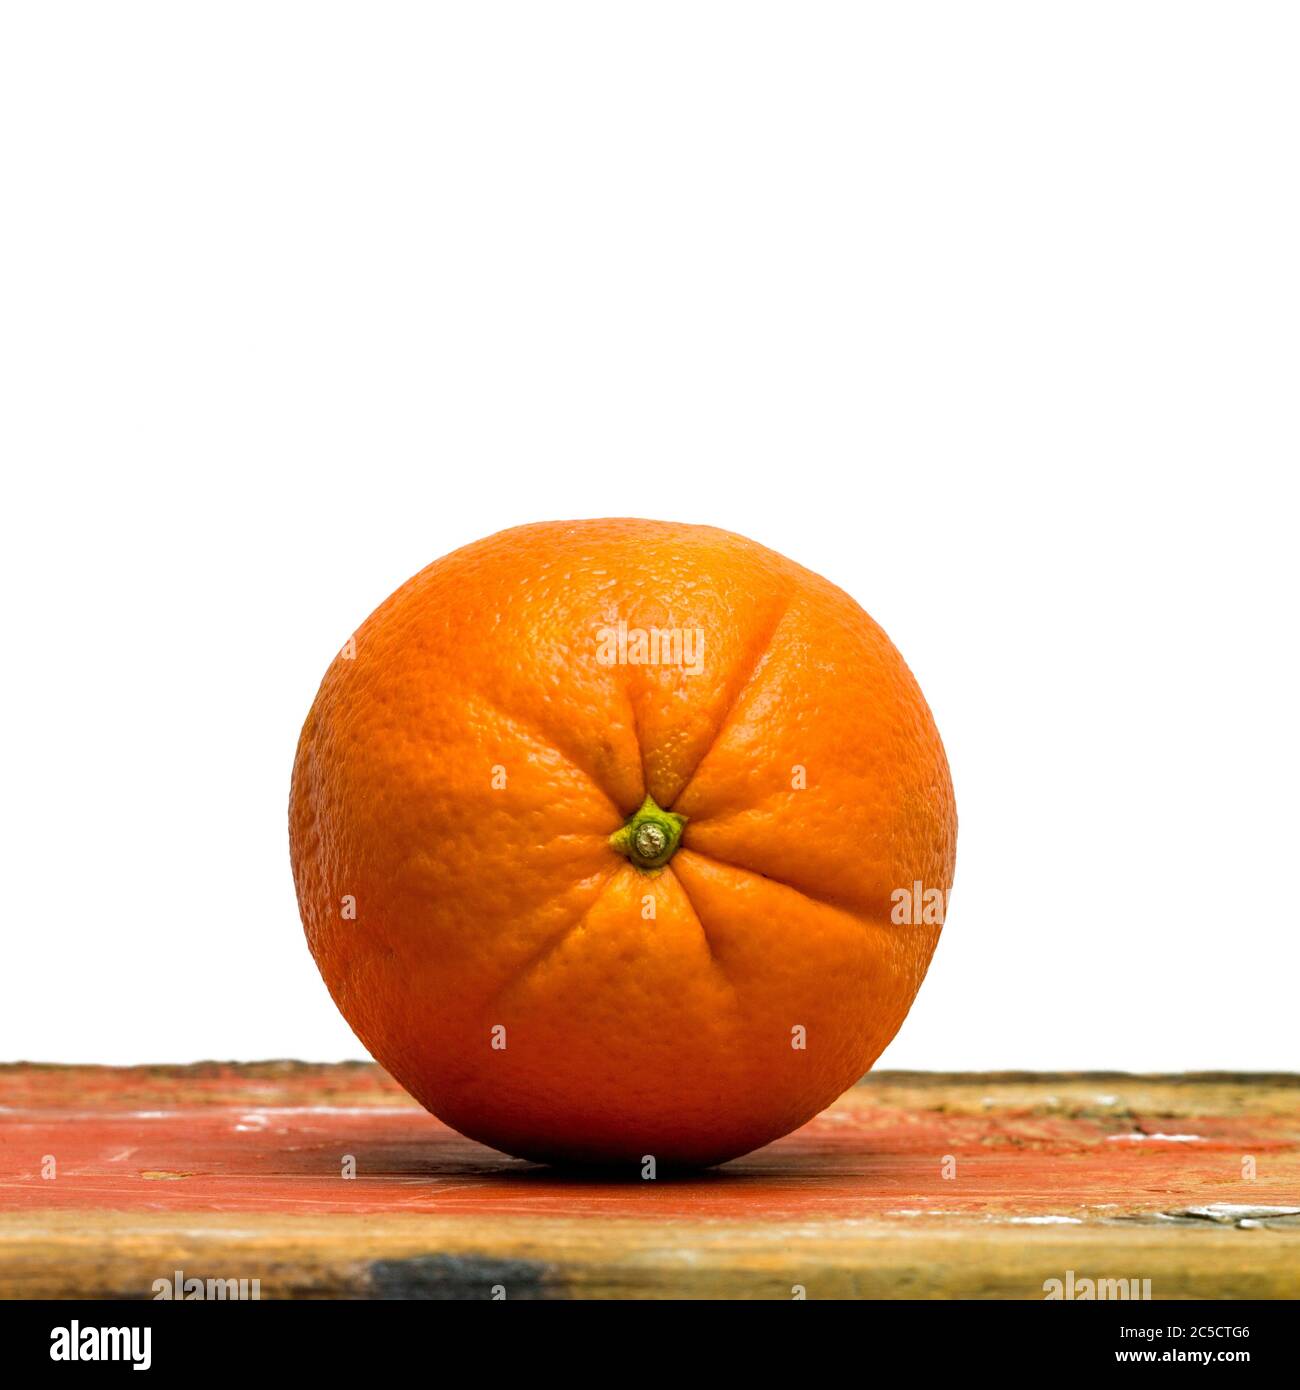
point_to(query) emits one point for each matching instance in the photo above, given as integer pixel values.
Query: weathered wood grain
(912, 1185)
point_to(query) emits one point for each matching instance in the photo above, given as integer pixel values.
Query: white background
(987, 312)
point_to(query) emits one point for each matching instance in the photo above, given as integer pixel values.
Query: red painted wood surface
(897, 1156)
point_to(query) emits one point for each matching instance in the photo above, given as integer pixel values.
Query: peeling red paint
(223, 1139)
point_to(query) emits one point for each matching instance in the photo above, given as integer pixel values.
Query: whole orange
(618, 839)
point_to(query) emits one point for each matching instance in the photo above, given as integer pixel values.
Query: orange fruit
(616, 839)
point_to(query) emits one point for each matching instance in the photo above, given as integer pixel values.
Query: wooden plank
(911, 1185)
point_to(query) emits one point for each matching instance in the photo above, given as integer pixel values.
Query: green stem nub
(650, 838)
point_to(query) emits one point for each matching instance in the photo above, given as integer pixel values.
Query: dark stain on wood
(461, 1277)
